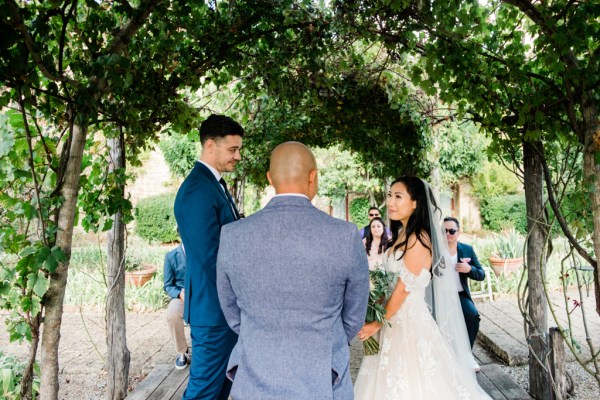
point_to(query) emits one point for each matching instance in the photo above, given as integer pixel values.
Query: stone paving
(502, 332)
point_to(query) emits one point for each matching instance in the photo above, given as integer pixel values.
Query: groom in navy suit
(202, 206)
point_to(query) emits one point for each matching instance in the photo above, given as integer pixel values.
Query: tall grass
(87, 276)
(509, 283)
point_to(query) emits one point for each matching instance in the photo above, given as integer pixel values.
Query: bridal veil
(442, 296)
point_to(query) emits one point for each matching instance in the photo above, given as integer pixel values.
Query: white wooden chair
(485, 291)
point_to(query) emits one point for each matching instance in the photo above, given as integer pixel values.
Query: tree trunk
(591, 130)
(27, 379)
(116, 340)
(591, 171)
(539, 380)
(53, 299)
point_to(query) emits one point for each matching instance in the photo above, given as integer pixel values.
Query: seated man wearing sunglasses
(467, 266)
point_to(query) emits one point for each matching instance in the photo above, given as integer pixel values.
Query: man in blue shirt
(174, 287)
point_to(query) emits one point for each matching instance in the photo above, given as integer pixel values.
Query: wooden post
(557, 364)
(118, 356)
(347, 208)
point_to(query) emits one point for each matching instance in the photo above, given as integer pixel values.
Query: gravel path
(586, 387)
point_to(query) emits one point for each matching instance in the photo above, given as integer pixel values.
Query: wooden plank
(489, 386)
(179, 393)
(167, 383)
(154, 379)
(170, 384)
(504, 383)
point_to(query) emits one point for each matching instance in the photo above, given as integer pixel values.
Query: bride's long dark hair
(418, 223)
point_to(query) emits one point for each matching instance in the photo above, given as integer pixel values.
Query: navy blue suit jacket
(174, 272)
(477, 273)
(201, 209)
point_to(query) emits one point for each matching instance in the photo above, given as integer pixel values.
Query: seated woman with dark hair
(376, 242)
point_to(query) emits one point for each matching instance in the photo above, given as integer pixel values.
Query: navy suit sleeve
(477, 273)
(357, 288)
(169, 275)
(227, 297)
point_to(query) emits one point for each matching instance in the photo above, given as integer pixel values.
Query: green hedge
(359, 211)
(155, 220)
(180, 154)
(502, 212)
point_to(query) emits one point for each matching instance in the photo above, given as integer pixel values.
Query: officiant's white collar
(292, 194)
(212, 169)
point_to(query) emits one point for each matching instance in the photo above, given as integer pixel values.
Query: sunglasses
(373, 215)
(451, 231)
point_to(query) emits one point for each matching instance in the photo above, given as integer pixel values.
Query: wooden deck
(499, 385)
(167, 383)
(164, 382)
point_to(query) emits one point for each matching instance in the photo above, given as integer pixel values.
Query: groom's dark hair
(219, 126)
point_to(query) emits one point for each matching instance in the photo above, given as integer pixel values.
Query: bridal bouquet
(379, 291)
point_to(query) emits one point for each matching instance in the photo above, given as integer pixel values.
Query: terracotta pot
(506, 265)
(139, 278)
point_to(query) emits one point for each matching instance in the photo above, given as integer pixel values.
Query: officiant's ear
(269, 178)
(313, 183)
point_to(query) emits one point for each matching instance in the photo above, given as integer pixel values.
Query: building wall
(466, 207)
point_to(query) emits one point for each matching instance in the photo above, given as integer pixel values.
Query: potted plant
(507, 254)
(138, 273)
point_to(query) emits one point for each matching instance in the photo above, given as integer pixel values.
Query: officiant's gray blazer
(293, 282)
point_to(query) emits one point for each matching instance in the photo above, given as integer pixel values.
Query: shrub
(359, 211)
(180, 154)
(494, 180)
(155, 220)
(502, 212)
(509, 244)
(11, 373)
(133, 263)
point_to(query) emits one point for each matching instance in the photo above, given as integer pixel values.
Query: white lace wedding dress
(414, 361)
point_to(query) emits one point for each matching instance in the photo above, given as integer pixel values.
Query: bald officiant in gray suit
(295, 303)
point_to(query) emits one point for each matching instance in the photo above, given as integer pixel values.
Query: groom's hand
(368, 330)
(182, 294)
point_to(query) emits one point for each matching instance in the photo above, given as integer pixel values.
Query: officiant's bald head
(293, 169)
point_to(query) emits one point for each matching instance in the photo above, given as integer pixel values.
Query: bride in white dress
(419, 358)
